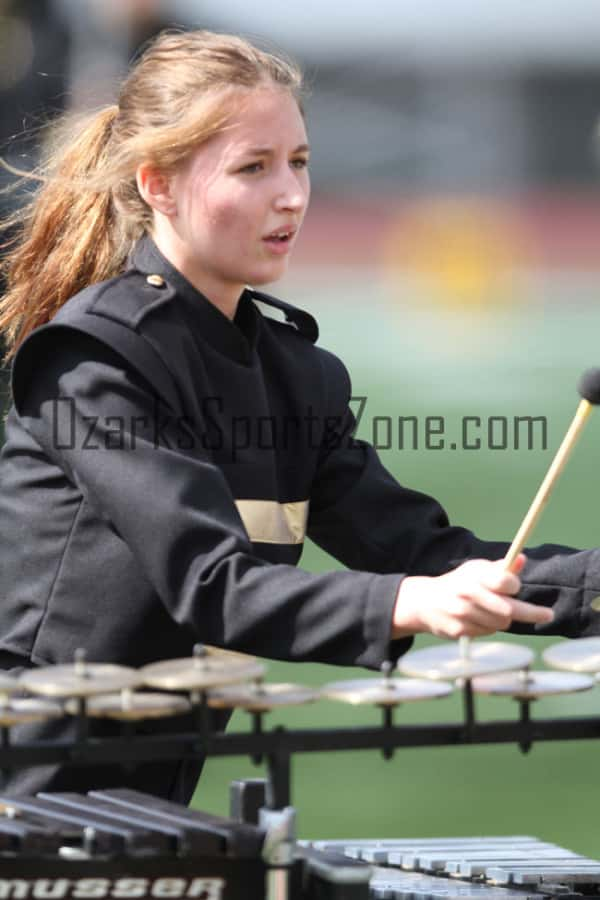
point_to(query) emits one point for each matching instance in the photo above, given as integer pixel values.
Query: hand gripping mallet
(589, 388)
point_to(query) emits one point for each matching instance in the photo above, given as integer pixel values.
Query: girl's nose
(292, 194)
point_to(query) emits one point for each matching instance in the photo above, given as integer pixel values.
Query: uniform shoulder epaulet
(110, 312)
(130, 297)
(303, 321)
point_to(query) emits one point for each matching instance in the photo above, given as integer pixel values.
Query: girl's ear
(155, 188)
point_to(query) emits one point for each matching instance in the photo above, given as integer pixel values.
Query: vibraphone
(124, 844)
(121, 844)
(490, 868)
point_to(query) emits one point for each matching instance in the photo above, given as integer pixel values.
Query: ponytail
(66, 238)
(83, 221)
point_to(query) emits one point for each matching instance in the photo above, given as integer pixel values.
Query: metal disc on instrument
(17, 711)
(579, 655)
(79, 680)
(210, 668)
(128, 705)
(385, 691)
(260, 697)
(528, 685)
(447, 660)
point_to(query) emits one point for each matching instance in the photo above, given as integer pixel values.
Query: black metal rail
(279, 744)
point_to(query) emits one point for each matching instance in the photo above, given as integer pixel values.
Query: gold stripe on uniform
(269, 522)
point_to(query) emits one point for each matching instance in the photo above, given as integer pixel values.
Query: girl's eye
(251, 168)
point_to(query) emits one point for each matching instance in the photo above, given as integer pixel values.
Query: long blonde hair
(83, 220)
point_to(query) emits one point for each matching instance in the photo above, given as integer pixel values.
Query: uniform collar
(235, 339)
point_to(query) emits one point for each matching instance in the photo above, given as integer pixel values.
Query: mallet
(589, 388)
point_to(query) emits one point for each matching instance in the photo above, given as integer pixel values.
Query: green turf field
(517, 360)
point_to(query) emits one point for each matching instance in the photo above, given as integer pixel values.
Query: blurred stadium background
(451, 257)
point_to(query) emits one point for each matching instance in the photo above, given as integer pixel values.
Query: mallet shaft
(556, 467)
(540, 499)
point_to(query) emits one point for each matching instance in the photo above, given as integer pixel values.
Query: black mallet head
(589, 386)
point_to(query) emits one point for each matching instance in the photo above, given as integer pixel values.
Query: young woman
(172, 441)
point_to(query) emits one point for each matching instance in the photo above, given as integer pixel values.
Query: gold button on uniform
(156, 280)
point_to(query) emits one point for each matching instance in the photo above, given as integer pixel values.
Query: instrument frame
(279, 744)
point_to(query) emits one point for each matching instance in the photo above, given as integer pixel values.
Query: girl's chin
(268, 274)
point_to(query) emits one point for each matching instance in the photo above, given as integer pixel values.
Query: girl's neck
(224, 296)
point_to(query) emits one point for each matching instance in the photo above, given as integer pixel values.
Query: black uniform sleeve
(363, 517)
(100, 423)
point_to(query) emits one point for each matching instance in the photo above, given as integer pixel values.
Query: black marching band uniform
(161, 469)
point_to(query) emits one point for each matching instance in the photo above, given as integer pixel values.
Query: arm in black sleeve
(363, 517)
(102, 425)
